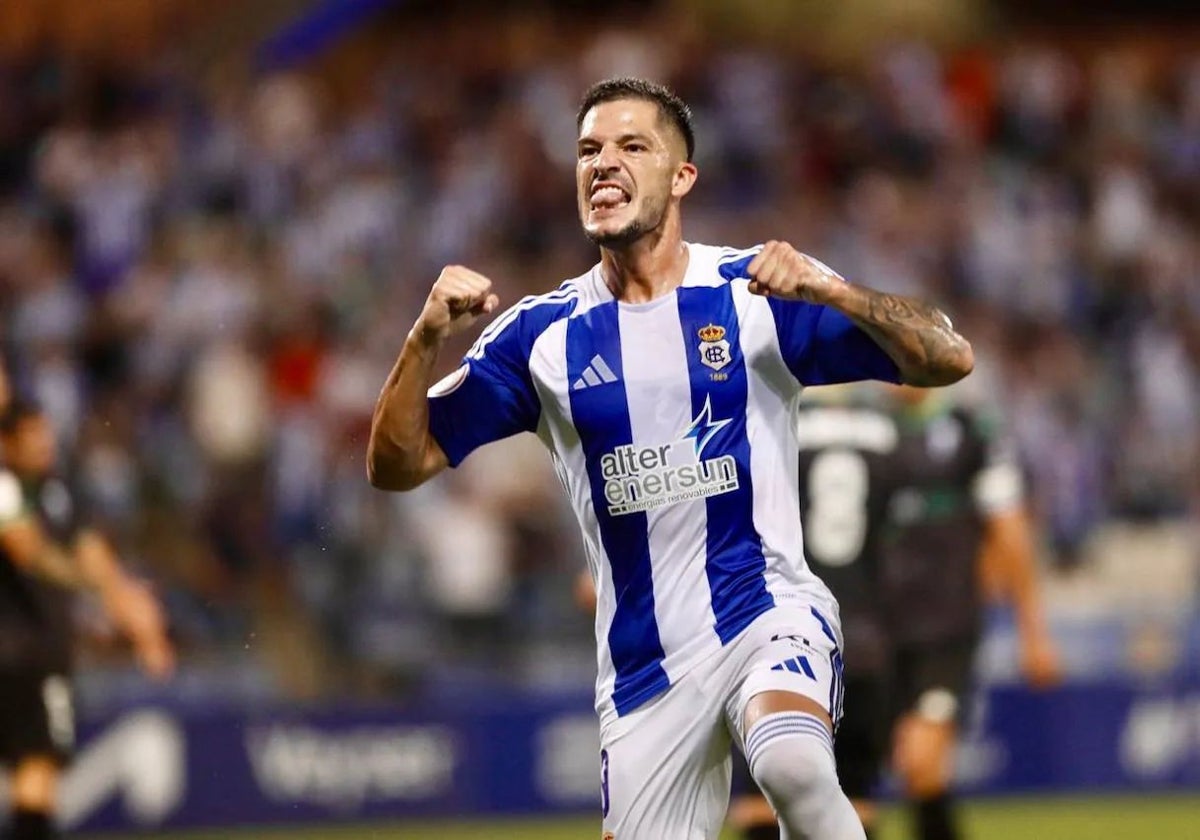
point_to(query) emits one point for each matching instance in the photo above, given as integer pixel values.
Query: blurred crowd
(206, 282)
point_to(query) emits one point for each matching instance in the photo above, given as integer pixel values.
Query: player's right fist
(457, 298)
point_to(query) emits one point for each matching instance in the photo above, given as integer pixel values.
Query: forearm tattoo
(919, 337)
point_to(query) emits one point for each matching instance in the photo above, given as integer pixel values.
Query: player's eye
(588, 151)
(635, 147)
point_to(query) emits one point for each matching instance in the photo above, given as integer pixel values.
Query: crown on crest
(711, 333)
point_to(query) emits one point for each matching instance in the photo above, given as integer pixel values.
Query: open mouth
(607, 195)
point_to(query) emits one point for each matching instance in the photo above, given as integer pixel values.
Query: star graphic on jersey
(704, 427)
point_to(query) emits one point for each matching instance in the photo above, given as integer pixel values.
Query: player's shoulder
(550, 303)
(729, 261)
(715, 265)
(725, 253)
(731, 257)
(519, 326)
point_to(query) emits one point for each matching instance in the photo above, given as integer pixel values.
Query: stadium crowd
(206, 282)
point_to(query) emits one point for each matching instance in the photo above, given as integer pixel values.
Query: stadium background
(218, 218)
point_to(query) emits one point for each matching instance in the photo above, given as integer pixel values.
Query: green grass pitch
(1098, 818)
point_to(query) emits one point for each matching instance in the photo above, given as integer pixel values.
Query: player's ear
(685, 178)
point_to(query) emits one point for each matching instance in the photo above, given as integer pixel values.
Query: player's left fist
(779, 270)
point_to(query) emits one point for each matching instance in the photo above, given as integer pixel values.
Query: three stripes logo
(797, 665)
(596, 373)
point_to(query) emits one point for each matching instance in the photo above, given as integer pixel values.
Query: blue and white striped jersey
(670, 426)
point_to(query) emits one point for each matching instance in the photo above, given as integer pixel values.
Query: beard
(638, 227)
(627, 235)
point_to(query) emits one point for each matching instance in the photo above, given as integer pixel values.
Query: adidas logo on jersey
(596, 373)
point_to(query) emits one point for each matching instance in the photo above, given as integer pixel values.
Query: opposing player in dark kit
(45, 552)
(906, 502)
(956, 518)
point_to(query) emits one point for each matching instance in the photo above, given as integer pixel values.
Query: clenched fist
(457, 298)
(779, 270)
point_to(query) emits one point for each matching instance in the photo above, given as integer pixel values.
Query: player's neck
(647, 269)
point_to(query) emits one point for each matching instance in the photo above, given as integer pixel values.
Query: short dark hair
(670, 106)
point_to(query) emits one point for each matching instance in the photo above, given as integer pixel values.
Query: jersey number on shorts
(835, 527)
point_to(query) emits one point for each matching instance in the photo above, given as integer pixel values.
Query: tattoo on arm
(919, 337)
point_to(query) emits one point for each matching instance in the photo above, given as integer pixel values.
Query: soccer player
(44, 550)
(910, 500)
(956, 520)
(661, 380)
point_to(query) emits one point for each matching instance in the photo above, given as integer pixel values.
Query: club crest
(714, 349)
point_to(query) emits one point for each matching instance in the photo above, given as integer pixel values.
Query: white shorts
(665, 767)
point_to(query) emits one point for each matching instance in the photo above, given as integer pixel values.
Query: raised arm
(401, 453)
(917, 336)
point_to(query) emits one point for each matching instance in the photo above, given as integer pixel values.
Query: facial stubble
(638, 227)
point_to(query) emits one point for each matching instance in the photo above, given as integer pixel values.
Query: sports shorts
(944, 668)
(37, 714)
(864, 736)
(665, 767)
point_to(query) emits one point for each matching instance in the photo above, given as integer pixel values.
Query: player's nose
(607, 159)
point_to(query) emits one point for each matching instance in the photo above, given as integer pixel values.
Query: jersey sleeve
(819, 344)
(998, 485)
(490, 396)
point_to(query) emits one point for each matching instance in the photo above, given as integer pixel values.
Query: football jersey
(35, 621)
(669, 424)
(951, 472)
(846, 473)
